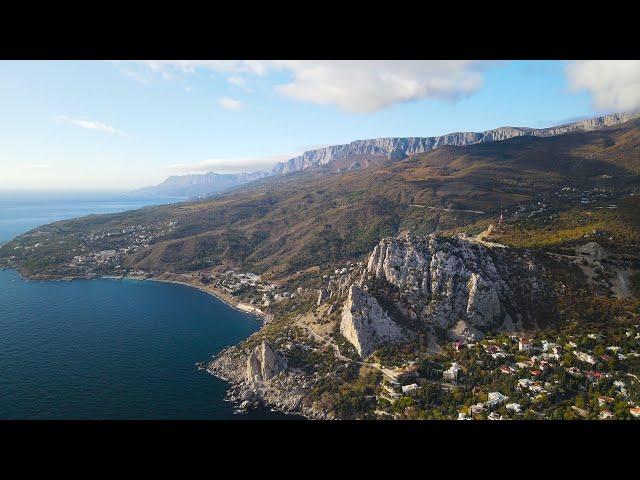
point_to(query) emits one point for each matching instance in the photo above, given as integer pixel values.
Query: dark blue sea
(111, 349)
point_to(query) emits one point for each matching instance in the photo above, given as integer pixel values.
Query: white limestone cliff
(264, 363)
(443, 280)
(366, 325)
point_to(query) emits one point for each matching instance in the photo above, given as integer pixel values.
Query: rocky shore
(260, 378)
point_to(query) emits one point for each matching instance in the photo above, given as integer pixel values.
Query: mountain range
(196, 185)
(363, 153)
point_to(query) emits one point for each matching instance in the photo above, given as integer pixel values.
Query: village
(552, 203)
(569, 376)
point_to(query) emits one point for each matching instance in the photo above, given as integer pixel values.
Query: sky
(120, 125)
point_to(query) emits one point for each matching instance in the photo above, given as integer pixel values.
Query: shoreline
(227, 299)
(218, 295)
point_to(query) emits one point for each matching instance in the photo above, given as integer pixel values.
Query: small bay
(114, 349)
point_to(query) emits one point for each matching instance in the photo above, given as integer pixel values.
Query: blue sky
(121, 125)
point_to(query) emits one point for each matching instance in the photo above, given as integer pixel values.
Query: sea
(108, 348)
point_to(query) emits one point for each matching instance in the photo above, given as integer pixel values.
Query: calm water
(22, 211)
(113, 349)
(107, 349)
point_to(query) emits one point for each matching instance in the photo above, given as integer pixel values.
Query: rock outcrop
(264, 363)
(399, 148)
(366, 325)
(322, 296)
(442, 280)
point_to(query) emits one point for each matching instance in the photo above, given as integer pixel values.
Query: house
(602, 400)
(506, 369)
(495, 399)
(525, 345)
(524, 383)
(451, 374)
(494, 416)
(585, 357)
(410, 389)
(605, 415)
(635, 411)
(477, 408)
(514, 407)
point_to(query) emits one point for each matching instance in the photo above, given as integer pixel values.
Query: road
(442, 209)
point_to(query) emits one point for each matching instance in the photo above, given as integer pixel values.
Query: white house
(451, 374)
(514, 407)
(495, 399)
(410, 389)
(525, 345)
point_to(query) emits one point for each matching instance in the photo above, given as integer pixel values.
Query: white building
(410, 389)
(585, 357)
(495, 399)
(525, 345)
(451, 374)
(514, 407)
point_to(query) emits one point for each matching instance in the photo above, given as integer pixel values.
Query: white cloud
(360, 86)
(367, 86)
(613, 84)
(230, 165)
(90, 125)
(229, 103)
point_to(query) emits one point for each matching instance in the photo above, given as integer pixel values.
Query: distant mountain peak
(199, 184)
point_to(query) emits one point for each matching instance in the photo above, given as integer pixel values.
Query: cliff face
(366, 325)
(454, 283)
(399, 148)
(264, 363)
(442, 280)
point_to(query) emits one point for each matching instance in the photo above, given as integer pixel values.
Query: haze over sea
(108, 349)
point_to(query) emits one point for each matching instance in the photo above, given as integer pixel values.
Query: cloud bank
(230, 165)
(613, 84)
(369, 86)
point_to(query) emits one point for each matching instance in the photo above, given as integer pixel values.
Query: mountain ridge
(397, 148)
(198, 184)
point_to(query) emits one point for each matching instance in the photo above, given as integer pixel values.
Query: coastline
(225, 298)
(221, 365)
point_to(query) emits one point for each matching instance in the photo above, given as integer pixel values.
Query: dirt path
(442, 209)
